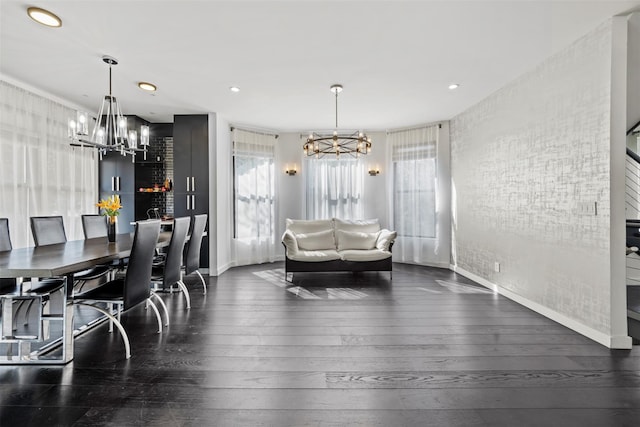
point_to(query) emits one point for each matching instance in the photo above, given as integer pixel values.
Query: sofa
(337, 245)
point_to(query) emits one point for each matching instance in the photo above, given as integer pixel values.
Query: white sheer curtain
(254, 204)
(41, 174)
(413, 154)
(334, 188)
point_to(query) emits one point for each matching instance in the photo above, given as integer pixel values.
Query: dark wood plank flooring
(429, 348)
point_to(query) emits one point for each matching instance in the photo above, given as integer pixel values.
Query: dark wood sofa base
(291, 266)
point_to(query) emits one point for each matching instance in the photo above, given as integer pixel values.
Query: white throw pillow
(355, 240)
(363, 225)
(385, 238)
(316, 241)
(302, 226)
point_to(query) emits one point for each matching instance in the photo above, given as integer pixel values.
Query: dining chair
(49, 230)
(192, 256)
(94, 225)
(167, 273)
(132, 289)
(37, 290)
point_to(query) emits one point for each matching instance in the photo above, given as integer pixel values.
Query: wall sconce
(374, 172)
(292, 171)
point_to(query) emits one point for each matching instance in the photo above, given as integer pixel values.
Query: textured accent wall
(529, 164)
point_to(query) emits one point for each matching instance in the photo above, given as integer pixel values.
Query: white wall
(633, 74)
(222, 198)
(528, 165)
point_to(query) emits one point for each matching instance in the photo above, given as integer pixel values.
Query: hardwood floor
(429, 348)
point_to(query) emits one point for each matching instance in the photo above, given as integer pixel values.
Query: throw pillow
(385, 238)
(355, 240)
(316, 241)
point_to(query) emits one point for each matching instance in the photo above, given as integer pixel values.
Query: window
(254, 186)
(414, 182)
(334, 188)
(414, 197)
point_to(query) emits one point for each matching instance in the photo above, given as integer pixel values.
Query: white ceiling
(394, 58)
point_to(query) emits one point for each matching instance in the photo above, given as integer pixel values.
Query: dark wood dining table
(59, 260)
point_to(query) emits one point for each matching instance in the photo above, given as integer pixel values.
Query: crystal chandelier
(110, 132)
(353, 144)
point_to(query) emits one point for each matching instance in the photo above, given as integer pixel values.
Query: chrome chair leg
(204, 285)
(123, 333)
(155, 310)
(164, 307)
(185, 292)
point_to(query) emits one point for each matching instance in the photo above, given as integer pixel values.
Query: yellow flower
(110, 205)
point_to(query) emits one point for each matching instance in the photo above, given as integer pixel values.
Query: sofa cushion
(355, 240)
(364, 255)
(363, 225)
(316, 241)
(385, 238)
(300, 226)
(315, 256)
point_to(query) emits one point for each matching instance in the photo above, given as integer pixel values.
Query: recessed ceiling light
(453, 86)
(149, 87)
(234, 89)
(44, 17)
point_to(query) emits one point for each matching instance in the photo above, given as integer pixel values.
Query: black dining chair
(9, 287)
(49, 230)
(132, 289)
(94, 225)
(192, 256)
(167, 273)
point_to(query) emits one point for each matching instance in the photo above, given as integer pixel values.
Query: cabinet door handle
(188, 202)
(193, 202)
(113, 185)
(188, 184)
(118, 182)
(193, 183)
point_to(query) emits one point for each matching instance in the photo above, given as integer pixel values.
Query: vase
(111, 228)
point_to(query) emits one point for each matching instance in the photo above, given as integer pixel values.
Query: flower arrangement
(111, 207)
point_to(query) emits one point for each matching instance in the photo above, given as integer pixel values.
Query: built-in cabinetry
(191, 169)
(117, 176)
(188, 167)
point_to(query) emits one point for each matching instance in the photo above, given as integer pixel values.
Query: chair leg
(204, 285)
(123, 333)
(110, 308)
(164, 307)
(26, 316)
(155, 310)
(185, 292)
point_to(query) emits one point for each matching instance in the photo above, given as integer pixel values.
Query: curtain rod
(259, 132)
(439, 124)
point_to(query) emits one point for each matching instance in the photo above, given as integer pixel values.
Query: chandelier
(110, 132)
(353, 144)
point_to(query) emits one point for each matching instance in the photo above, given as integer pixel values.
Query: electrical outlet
(496, 267)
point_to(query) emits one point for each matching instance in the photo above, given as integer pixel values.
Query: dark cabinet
(117, 176)
(191, 169)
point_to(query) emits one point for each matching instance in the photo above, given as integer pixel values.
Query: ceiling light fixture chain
(353, 144)
(110, 132)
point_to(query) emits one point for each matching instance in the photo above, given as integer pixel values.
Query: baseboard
(616, 342)
(224, 268)
(426, 264)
